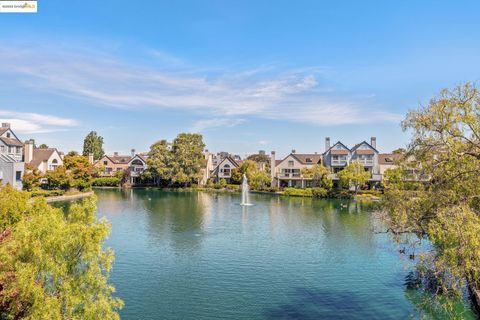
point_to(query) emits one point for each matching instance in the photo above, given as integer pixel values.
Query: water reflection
(200, 255)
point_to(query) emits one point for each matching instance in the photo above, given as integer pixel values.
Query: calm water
(194, 255)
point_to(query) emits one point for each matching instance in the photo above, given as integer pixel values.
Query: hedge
(106, 182)
(47, 193)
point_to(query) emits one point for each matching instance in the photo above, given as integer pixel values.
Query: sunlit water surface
(197, 255)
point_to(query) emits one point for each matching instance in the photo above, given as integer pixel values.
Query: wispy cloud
(209, 124)
(27, 122)
(292, 95)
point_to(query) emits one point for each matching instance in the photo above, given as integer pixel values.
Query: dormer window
(8, 134)
(308, 160)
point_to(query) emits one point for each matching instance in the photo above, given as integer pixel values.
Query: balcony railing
(339, 162)
(365, 162)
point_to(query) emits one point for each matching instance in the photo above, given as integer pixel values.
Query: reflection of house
(224, 169)
(288, 172)
(42, 159)
(109, 165)
(11, 157)
(136, 166)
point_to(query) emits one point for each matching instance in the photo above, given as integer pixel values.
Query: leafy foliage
(257, 179)
(434, 193)
(93, 143)
(106, 182)
(354, 175)
(179, 162)
(81, 171)
(53, 266)
(320, 176)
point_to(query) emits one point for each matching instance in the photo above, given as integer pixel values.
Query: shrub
(106, 182)
(47, 193)
(319, 192)
(295, 192)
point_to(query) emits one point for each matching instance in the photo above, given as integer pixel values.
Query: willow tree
(435, 191)
(53, 266)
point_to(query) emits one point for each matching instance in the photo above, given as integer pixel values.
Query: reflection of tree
(433, 306)
(178, 215)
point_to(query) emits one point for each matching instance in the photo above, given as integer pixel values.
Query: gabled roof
(42, 154)
(119, 159)
(333, 145)
(388, 158)
(302, 158)
(142, 157)
(363, 142)
(235, 163)
(11, 142)
(3, 130)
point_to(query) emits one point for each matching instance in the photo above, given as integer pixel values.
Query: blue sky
(248, 75)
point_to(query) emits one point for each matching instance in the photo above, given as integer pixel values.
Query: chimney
(327, 143)
(132, 152)
(272, 165)
(5, 125)
(115, 154)
(293, 151)
(373, 142)
(28, 149)
(90, 158)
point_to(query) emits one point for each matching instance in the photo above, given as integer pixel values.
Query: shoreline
(69, 197)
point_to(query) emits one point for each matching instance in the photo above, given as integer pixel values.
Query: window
(19, 149)
(2, 149)
(10, 150)
(137, 162)
(290, 163)
(308, 160)
(8, 134)
(105, 163)
(18, 175)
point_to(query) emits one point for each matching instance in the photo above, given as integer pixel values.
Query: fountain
(245, 192)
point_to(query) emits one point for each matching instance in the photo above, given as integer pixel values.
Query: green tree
(260, 158)
(187, 158)
(93, 143)
(444, 206)
(320, 176)
(58, 179)
(53, 266)
(159, 161)
(31, 178)
(354, 175)
(81, 171)
(257, 179)
(43, 146)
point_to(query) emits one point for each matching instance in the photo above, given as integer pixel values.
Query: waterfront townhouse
(224, 169)
(11, 157)
(109, 165)
(288, 171)
(136, 166)
(388, 161)
(42, 159)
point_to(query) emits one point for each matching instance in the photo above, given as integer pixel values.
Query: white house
(224, 169)
(288, 171)
(42, 159)
(11, 157)
(136, 165)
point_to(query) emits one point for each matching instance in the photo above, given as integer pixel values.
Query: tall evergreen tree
(93, 143)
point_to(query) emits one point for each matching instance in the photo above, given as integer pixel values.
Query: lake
(199, 255)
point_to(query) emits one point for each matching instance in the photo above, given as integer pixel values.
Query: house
(42, 159)
(338, 156)
(136, 165)
(109, 165)
(288, 171)
(11, 157)
(387, 161)
(224, 169)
